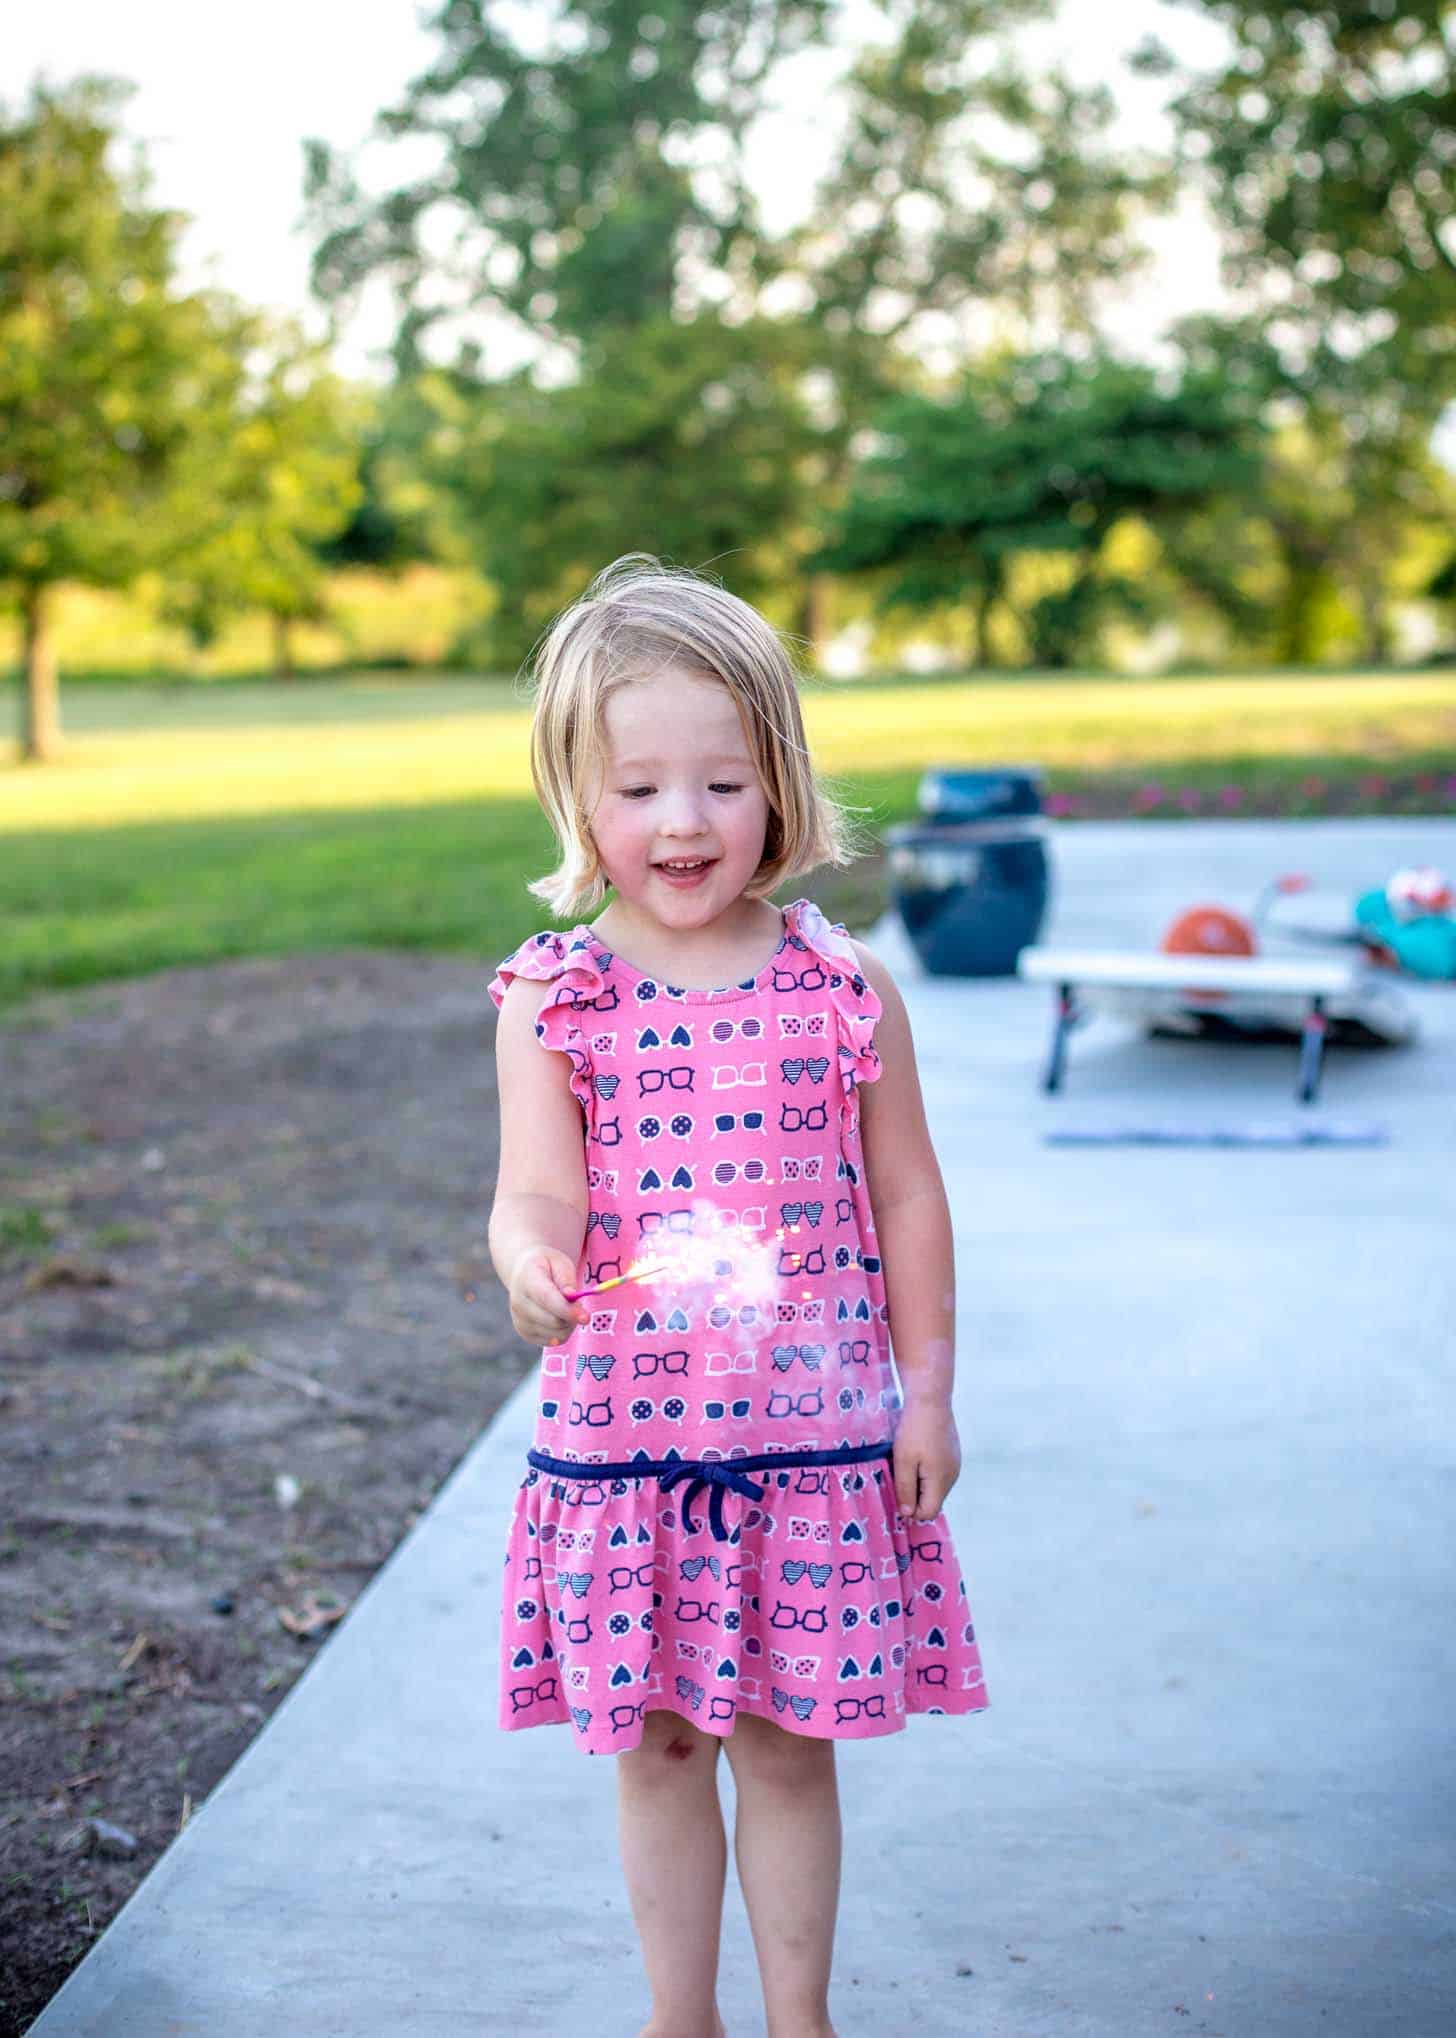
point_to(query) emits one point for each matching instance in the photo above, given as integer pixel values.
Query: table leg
(1311, 1051)
(1065, 1011)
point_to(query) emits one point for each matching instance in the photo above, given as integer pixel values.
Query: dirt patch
(248, 1327)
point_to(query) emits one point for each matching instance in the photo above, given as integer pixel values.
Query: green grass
(184, 824)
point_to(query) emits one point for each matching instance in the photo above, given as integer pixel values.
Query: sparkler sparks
(724, 1262)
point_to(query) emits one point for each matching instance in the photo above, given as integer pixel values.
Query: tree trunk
(984, 603)
(42, 735)
(1374, 621)
(282, 647)
(813, 622)
(1295, 633)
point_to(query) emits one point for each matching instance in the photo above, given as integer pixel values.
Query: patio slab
(1206, 1516)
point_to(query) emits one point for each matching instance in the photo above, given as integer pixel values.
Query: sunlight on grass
(336, 746)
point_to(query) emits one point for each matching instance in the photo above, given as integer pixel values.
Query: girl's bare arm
(538, 1216)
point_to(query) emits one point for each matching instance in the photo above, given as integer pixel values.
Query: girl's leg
(787, 1844)
(675, 1857)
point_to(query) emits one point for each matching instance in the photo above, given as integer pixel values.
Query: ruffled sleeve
(571, 960)
(856, 1003)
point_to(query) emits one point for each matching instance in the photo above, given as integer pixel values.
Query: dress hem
(791, 1726)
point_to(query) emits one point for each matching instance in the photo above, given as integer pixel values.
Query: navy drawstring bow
(712, 1474)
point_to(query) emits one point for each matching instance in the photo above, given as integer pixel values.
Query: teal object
(1425, 946)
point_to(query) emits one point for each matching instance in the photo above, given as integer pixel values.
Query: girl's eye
(632, 792)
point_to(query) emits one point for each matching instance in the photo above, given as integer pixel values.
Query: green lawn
(188, 823)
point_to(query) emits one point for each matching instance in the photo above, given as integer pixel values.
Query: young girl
(730, 1531)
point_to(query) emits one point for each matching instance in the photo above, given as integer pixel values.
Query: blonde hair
(636, 618)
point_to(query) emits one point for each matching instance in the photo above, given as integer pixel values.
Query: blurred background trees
(900, 412)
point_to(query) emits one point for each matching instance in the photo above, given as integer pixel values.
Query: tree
(263, 502)
(688, 439)
(591, 180)
(1348, 480)
(1324, 143)
(400, 518)
(1041, 454)
(108, 374)
(564, 176)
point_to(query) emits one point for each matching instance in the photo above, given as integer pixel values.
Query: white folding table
(1134, 980)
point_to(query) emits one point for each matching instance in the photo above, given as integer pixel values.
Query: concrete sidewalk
(1206, 1518)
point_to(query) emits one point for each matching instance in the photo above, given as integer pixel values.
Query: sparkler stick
(641, 1273)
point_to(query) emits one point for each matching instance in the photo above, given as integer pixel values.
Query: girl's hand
(539, 1308)
(926, 1458)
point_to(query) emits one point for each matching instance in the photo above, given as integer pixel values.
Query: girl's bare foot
(719, 2029)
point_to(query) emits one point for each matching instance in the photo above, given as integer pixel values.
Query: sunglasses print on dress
(750, 1075)
(816, 1069)
(731, 1362)
(722, 1030)
(649, 1038)
(646, 1363)
(715, 1411)
(622, 1577)
(650, 1081)
(814, 1620)
(672, 1220)
(811, 1403)
(811, 979)
(624, 1716)
(524, 1695)
(680, 1126)
(724, 1172)
(846, 1709)
(810, 1356)
(642, 1408)
(814, 1118)
(729, 1121)
(722, 1314)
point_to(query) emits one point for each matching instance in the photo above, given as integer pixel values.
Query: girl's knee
(762, 1748)
(670, 1746)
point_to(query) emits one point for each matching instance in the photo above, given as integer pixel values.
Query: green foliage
(1039, 455)
(107, 373)
(687, 439)
(965, 180)
(399, 520)
(562, 172)
(143, 428)
(284, 479)
(1325, 145)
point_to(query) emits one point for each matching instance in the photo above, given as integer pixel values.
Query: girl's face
(678, 782)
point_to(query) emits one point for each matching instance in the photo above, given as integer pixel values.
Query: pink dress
(721, 1582)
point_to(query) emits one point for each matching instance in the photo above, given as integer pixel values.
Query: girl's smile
(678, 785)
